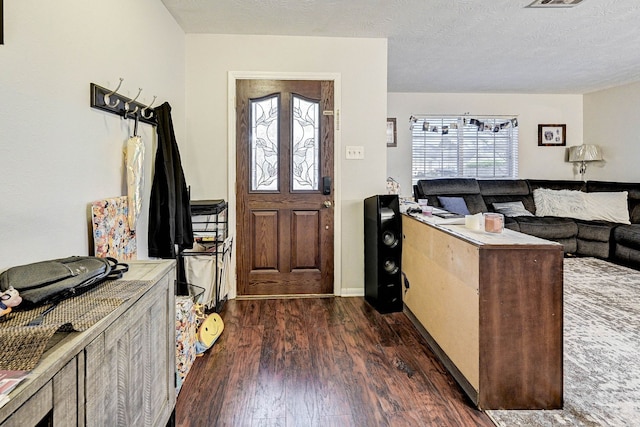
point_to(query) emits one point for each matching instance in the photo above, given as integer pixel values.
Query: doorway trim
(231, 162)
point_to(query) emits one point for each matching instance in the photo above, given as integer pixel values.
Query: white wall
(362, 66)
(611, 119)
(56, 153)
(531, 110)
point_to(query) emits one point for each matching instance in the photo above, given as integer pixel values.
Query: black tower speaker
(383, 252)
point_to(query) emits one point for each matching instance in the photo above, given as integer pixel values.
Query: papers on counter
(439, 217)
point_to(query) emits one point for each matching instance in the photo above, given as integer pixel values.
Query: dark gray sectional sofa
(602, 239)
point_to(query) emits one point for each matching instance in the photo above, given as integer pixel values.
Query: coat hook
(107, 96)
(143, 112)
(126, 105)
(135, 126)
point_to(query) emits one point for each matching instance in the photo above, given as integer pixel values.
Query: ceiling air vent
(555, 3)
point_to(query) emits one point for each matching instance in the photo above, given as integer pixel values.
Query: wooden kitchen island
(490, 306)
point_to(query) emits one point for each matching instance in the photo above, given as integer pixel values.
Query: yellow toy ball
(208, 332)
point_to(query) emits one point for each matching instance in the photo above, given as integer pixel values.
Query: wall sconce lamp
(583, 154)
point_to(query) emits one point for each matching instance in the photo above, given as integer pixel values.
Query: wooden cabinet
(65, 395)
(491, 308)
(36, 408)
(120, 372)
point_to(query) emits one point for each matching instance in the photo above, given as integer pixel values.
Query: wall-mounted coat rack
(112, 102)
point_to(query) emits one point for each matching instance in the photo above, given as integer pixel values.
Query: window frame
(439, 144)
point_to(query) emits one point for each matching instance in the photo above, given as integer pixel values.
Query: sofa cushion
(444, 186)
(511, 209)
(511, 223)
(503, 187)
(580, 205)
(454, 204)
(628, 235)
(599, 231)
(548, 227)
(593, 248)
(595, 238)
(570, 244)
(554, 184)
(506, 190)
(626, 255)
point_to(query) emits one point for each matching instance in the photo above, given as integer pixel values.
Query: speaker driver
(390, 266)
(389, 239)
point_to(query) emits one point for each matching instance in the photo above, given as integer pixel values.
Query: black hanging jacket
(169, 208)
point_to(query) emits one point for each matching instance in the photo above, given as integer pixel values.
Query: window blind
(450, 146)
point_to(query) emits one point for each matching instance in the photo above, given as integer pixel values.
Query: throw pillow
(580, 205)
(454, 204)
(511, 209)
(611, 207)
(560, 203)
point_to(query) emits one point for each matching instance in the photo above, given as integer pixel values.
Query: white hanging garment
(134, 158)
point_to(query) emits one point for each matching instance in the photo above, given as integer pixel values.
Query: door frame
(231, 162)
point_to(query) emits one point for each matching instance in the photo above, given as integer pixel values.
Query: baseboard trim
(283, 296)
(345, 292)
(352, 292)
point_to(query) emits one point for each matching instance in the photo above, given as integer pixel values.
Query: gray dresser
(119, 372)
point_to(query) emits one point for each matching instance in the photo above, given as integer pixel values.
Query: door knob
(327, 203)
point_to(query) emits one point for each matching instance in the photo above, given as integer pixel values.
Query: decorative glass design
(305, 144)
(264, 144)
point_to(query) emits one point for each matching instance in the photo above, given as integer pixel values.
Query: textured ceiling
(463, 46)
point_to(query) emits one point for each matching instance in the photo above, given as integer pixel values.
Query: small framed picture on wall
(392, 138)
(549, 135)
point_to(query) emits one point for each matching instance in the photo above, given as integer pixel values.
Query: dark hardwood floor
(320, 362)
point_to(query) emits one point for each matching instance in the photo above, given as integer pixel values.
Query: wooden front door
(284, 187)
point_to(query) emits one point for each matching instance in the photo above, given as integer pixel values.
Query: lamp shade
(585, 153)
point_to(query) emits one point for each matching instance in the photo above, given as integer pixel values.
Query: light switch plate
(355, 152)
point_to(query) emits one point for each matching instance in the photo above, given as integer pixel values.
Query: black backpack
(49, 282)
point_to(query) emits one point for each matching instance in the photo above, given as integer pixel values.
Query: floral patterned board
(186, 337)
(111, 234)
